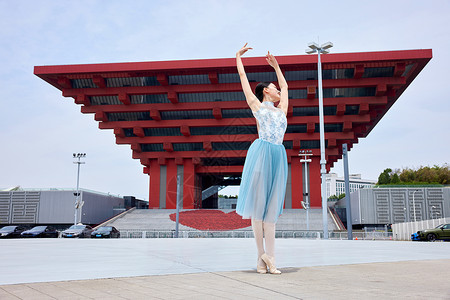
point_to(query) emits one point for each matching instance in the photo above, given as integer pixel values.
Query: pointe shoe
(261, 266)
(269, 262)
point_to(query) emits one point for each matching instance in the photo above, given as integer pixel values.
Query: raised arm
(284, 98)
(252, 101)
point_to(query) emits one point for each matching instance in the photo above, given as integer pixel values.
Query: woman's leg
(269, 235)
(257, 226)
(269, 256)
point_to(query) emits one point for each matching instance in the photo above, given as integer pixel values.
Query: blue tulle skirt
(263, 184)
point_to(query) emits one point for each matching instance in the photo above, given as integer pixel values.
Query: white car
(77, 231)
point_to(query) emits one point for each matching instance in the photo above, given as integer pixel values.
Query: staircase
(159, 220)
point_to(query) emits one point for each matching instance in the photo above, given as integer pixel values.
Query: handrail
(114, 218)
(336, 219)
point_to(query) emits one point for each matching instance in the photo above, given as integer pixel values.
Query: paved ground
(221, 269)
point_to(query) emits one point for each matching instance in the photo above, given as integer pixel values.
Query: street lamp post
(322, 49)
(78, 202)
(305, 202)
(414, 205)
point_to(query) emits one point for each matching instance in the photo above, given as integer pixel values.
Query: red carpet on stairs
(213, 220)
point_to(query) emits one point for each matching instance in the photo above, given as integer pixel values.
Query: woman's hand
(271, 60)
(243, 50)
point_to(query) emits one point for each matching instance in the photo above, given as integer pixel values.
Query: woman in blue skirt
(263, 184)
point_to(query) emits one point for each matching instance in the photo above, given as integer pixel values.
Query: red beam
(228, 138)
(99, 81)
(230, 63)
(213, 78)
(139, 132)
(124, 98)
(219, 169)
(229, 122)
(229, 87)
(311, 91)
(154, 114)
(184, 129)
(217, 112)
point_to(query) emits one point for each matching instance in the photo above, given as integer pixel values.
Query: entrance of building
(212, 184)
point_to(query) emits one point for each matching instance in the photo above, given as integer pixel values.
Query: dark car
(77, 231)
(40, 232)
(105, 232)
(441, 232)
(11, 232)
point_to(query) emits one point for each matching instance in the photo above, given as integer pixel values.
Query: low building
(336, 185)
(57, 207)
(389, 205)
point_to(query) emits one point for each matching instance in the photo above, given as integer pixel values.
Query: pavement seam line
(254, 285)
(8, 292)
(248, 283)
(29, 286)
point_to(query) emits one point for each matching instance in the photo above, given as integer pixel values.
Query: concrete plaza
(221, 269)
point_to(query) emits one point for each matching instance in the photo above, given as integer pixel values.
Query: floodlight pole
(323, 49)
(305, 202)
(414, 206)
(177, 220)
(78, 204)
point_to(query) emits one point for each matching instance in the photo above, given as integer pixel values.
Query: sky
(40, 129)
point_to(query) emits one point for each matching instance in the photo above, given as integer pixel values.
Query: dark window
(349, 92)
(352, 109)
(407, 69)
(131, 81)
(329, 127)
(105, 100)
(186, 114)
(228, 130)
(297, 94)
(287, 144)
(152, 147)
(217, 146)
(128, 132)
(301, 75)
(129, 116)
(252, 77)
(313, 111)
(153, 98)
(338, 74)
(168, 131)
(310, 144)
(237, 113)
(211, 97)
(83, 83)
(188, 147)
(378, 72)
(188, 79)
(296, 129)
(223, 161)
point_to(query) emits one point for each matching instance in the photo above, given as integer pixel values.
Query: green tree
(395, 179)
(422, 175)
(385, 177)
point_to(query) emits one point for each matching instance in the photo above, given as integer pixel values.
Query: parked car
(11, 232)
(105, 232)
(40, 232)
(441, 232)
(77, 231)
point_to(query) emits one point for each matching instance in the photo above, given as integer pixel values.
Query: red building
(190, 117)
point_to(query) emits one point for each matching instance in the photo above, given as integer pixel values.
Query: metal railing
(403, 231)
(311, 234)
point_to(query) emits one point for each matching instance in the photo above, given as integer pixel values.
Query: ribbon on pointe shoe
(261, 266)
(269, 262)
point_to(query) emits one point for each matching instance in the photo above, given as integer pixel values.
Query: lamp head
(313, 46)
(327, 45)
